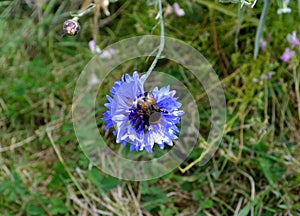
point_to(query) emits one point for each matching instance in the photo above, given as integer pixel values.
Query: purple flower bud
(263, 45)
(263, 42)
(287, 55)
(178, 11)
(92, 46)
(71, 27)
(292, 39)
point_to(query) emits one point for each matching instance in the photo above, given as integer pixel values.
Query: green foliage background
(44, 172)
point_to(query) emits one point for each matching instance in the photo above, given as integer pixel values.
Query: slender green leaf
(260, 27)
(245, 211)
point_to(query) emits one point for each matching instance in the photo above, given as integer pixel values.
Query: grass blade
(260, 27)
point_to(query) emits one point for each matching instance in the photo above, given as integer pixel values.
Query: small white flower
(285, 8)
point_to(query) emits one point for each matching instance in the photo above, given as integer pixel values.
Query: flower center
(144, 111)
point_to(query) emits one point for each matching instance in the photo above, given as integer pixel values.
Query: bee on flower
(142, 118)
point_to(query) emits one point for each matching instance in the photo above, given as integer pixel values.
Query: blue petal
(149, 149)
(132, 147)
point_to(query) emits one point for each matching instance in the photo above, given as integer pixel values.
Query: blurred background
(255, 52)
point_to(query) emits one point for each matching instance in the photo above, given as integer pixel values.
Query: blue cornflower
(132, 121)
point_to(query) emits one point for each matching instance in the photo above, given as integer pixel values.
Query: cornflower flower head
(142, 118)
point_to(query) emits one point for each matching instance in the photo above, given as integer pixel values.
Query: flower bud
(71, 27)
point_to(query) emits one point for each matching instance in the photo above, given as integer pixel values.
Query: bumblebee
(147, 105)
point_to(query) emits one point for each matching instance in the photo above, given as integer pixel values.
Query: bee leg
(163, 111)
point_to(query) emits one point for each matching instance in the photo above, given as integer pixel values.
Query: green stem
(162, 39)
(297, 89)
(260, 27)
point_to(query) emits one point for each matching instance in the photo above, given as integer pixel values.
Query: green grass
(43, 171)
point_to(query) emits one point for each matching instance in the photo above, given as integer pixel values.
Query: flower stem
(162, 39)
(260, 27)
(297, 79)
(85, 11)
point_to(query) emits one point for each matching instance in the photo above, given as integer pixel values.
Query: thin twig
(216, 44)
(241, 136)
(238, 207)
(135, 200)
(252, 188)
(203, 154)
(19, 144)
